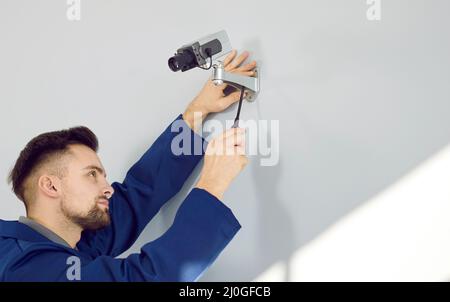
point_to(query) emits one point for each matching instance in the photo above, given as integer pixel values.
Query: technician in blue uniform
(77, 223)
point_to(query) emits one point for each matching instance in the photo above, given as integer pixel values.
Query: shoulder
(25, 261)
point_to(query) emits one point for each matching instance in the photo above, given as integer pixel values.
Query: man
(77, 223)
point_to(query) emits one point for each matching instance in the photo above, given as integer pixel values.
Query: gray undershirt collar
(43, 231)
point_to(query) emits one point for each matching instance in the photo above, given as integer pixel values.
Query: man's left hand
(212, 98)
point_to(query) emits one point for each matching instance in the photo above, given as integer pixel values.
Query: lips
(104, 202)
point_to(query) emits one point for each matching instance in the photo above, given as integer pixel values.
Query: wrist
(194, 115)
(211, 188)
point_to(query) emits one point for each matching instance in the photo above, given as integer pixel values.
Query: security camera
(196, 54)
(213, 46)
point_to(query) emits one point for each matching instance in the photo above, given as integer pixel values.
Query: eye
(93, 173)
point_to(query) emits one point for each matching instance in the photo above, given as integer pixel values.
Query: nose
(108, 191)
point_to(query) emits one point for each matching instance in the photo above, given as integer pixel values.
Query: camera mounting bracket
(251, 84)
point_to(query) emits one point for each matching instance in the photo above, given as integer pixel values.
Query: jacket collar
(43, 231)
(17, 230)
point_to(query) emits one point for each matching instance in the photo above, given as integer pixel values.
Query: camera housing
(196, 54)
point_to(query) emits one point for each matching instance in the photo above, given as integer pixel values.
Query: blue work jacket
(202, 228)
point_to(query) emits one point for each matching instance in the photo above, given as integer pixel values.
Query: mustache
(102, 197)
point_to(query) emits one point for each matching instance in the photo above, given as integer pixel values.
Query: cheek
(80, 198)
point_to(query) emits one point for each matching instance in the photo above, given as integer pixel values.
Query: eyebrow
(94, 167)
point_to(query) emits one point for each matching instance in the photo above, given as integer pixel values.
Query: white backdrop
(360, 190)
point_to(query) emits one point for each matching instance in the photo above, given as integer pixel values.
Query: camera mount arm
(251, 84)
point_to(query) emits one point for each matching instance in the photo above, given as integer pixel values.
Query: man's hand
(224, 160)
(211, 98)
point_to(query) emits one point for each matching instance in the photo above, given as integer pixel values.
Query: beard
(95, 219)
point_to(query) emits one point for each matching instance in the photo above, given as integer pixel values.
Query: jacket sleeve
(202, 228)
(149, 184)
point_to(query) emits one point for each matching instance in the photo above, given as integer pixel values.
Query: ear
(50, 185)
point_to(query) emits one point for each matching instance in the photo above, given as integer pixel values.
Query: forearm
(194, 115)
(202, 228)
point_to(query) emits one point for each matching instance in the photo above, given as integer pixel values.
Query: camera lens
(173, 64)
(183, 60)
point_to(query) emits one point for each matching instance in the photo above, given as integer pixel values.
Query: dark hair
(43, 148)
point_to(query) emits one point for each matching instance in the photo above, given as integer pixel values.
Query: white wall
(360, 103)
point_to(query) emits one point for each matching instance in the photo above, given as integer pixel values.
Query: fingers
(248, 73)
(232, 137)
(238, 139)
(237, 62)
(233, 65)
(231, 142)
(230, 99)
(229, 58)
(233, 131)
(248, 67)
(235, 143)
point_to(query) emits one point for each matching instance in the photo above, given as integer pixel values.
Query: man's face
(85, 190)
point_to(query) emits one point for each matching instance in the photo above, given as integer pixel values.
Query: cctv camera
(196, 53)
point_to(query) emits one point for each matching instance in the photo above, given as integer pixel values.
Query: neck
(70, 232)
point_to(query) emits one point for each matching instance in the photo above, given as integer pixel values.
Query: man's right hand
(224, 160)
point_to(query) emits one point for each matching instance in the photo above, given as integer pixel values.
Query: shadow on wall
(276, 238)
(276, 232)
